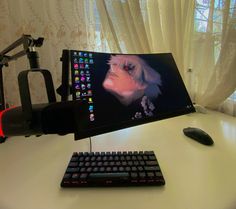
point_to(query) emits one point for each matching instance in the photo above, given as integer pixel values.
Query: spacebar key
(108, 176)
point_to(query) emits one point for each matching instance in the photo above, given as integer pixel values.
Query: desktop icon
(81, 66)
(81, 60)
(83, 87)
(88, 79)
(91, 117)
(82, 79)
(89, 85)
(89, 93)
(75, 60)
(76, 66)
(90, 100)
(82, 73)
(77, 94)
(90, 108)
(77, 87)
(76, 72)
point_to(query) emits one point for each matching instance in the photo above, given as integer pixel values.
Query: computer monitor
(125, 90)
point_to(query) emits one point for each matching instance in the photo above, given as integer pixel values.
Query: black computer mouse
(199, 135)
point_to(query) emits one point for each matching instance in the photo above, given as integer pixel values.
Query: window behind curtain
(203, 10)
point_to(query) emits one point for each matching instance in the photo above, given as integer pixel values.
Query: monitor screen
(124, 90)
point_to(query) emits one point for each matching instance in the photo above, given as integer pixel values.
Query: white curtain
(206, 59)
(140, 26)
(63, 24)
(129, 26)
(214, 55)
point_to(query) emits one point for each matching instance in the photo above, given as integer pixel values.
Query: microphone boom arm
(29, 45)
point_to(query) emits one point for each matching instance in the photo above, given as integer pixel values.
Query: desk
(197, 176)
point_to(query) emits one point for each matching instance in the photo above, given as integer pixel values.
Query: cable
(90, 144)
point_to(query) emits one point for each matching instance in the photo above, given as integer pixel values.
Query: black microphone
(38, 119)
(48, 118)
(51, 118)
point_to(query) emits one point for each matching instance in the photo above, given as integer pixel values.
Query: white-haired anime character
(131, 79)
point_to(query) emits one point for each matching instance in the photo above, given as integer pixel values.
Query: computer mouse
(198, 135)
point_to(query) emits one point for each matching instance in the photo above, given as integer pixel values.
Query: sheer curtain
(140, 26)
(214, 54)
(206, 58)
(63, 24)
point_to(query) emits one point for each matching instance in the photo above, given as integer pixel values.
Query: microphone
(37, 119)
(51, 118)
(48, 118)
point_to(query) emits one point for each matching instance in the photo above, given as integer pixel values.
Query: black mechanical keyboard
(87, 169)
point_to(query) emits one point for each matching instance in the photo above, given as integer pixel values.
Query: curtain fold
(107, 27)
(151, 26)
(221, 83)
(214, 75)
(205, 58)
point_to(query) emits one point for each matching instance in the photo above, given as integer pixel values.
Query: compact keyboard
(135, 168)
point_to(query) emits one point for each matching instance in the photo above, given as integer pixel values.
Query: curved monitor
(124, 90)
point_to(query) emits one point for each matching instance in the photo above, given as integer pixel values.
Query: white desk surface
(197, 176)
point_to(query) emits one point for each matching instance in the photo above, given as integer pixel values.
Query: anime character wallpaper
(123, 90)
(134, 83)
